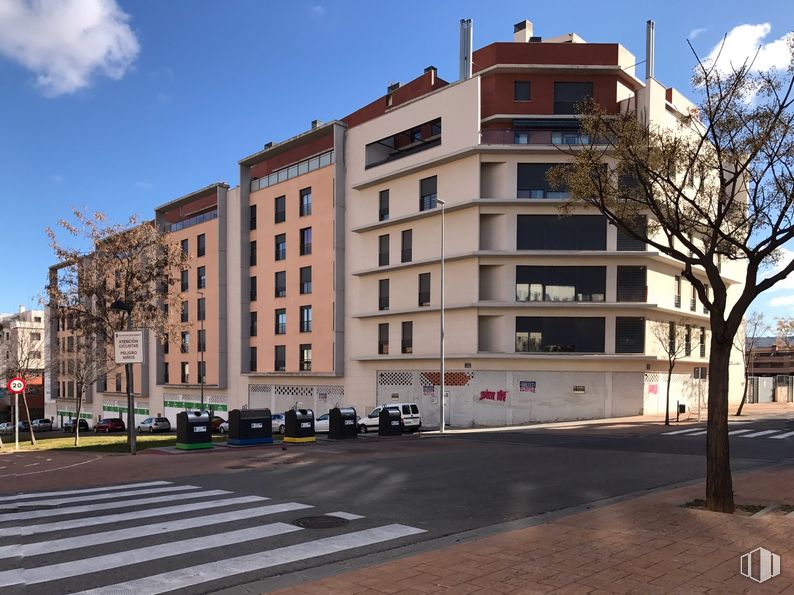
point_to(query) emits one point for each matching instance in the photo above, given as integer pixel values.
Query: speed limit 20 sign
(16, 385)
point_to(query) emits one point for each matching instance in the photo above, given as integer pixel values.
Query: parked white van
(409, 412)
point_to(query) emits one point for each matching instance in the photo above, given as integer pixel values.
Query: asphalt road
(403, 492)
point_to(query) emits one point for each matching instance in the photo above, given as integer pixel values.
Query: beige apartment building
(317, 280)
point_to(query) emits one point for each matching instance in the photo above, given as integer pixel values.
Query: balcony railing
(677, 301)
(383, 303)
(406, 255)
(693, 305)
(281, 328)
(292, 171)
(306, 326)
(195, 220)
(534, 136)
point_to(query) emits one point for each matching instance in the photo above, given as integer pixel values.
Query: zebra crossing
(160, 537)
(740, 433)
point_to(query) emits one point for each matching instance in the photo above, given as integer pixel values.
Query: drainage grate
(320, 522)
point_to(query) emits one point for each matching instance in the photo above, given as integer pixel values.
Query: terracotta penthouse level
(546, 317)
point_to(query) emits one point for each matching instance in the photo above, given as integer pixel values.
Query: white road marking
(54, 572)
(128, 486)
(196, 575)
(36, 514)
(780, 436)
(71, 543)
(680, 432)
(94, 497)
(345, 515)
(52, 470)
(129, 516)
(761, 433)
(698, 433)
(734, 432)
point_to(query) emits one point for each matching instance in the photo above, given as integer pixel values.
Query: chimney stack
(522, 31)
(650, 42)
(466, 37)
(392, 87)
(268, 144)
(315, 124)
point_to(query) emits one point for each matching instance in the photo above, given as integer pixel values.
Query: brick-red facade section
(293, 155)
(196, 205)
(544, 53)
(497, 92)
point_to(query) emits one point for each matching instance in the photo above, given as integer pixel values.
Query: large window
(201, 344)
(568, 96)
(428, 196)
(631, 283)
(559, 334)
(185, 245)
(407, 345)
(281, 321)
(627, 242)
(406, 254)
(424, 289)
(383, 205)
(305, 241)
(201, 304)
(404, 143)
(185, 313)
(383, 294)
(383, 338)
(550, 232)
(306, 357)
(252, 217)
(201, 277)
(560, 284)
(383, 250)
(280, 358)
(306, 280)
(532, 182)
(280, 209)
(281, 246)
(184, 346)
(306, 202)
(184, 280)
(629, 334)
(184, 372)
(202, 245)
(281, 284)
(306, 319)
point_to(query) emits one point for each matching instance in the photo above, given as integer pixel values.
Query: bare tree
(712, 185)
(752, 328)
(123, 279)
(675, 340)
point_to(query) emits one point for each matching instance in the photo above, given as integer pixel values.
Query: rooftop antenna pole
(650, 42)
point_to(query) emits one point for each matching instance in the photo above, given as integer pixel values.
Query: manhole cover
(320, 522)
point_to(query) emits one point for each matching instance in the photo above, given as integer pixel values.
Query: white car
(277, 422)
(224, 427)
(321, 424)
(6, 427)
(409, 413)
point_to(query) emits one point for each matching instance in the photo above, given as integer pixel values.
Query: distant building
(22, 352)
(771, 356)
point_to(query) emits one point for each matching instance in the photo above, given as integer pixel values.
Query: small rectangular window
(202, 245)
(383, 250)
(281, 246)
(428, 197)
(252, 363)
(184, 345)
(184, 280)
(280, 359)
(185, 313)
(280, 209)
(252, 217)
(424, 289)
(306, 280)
(202, 372)
(383, 294)
(306, 202)
(281, 321)
(252, 289)
(306, 241)
(306, 319)
(201, 277)
(165, 375)
(521, 91)
(406, 253)
(383, 338)
(202, 309)
(407, 345)
(306, 358)
(568, 97)
(202, 341)
(281, 284)
(252, 253)
(185, 246)
(252, 325)
(383, 205)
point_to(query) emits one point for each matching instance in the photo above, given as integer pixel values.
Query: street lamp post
(121, 306)
(441, 337)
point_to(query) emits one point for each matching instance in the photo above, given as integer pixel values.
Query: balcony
(195, 220)
(292, 171)
(534, 136)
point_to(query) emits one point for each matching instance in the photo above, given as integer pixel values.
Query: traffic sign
(129, 347)
(16, 385)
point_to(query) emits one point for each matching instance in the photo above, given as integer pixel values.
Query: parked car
(224, 427)
(109, 424)
(24, 426)
(68, 425)
(155, 424)
(6, 427)
(409, 414)
(216, 423)
(277, 423)
(42, 425)
(321, 424)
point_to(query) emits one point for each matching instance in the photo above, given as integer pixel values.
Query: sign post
(16, 386)
(129, 350)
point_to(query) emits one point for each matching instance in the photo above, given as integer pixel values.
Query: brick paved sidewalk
(646, 545)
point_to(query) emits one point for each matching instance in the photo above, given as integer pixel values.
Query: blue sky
(164, 97)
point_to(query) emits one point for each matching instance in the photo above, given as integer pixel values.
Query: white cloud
(782, 300)
(319, 10)
(65, 42)
(742, 43)
(695, 32)
(785, 257)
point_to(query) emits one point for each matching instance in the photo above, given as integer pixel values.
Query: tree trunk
(77, 420)
(744, 393)
(30, 424)
(719, 484)
(667, 402)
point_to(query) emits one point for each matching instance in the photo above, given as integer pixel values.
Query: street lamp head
(120, 306)
(441, 201)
